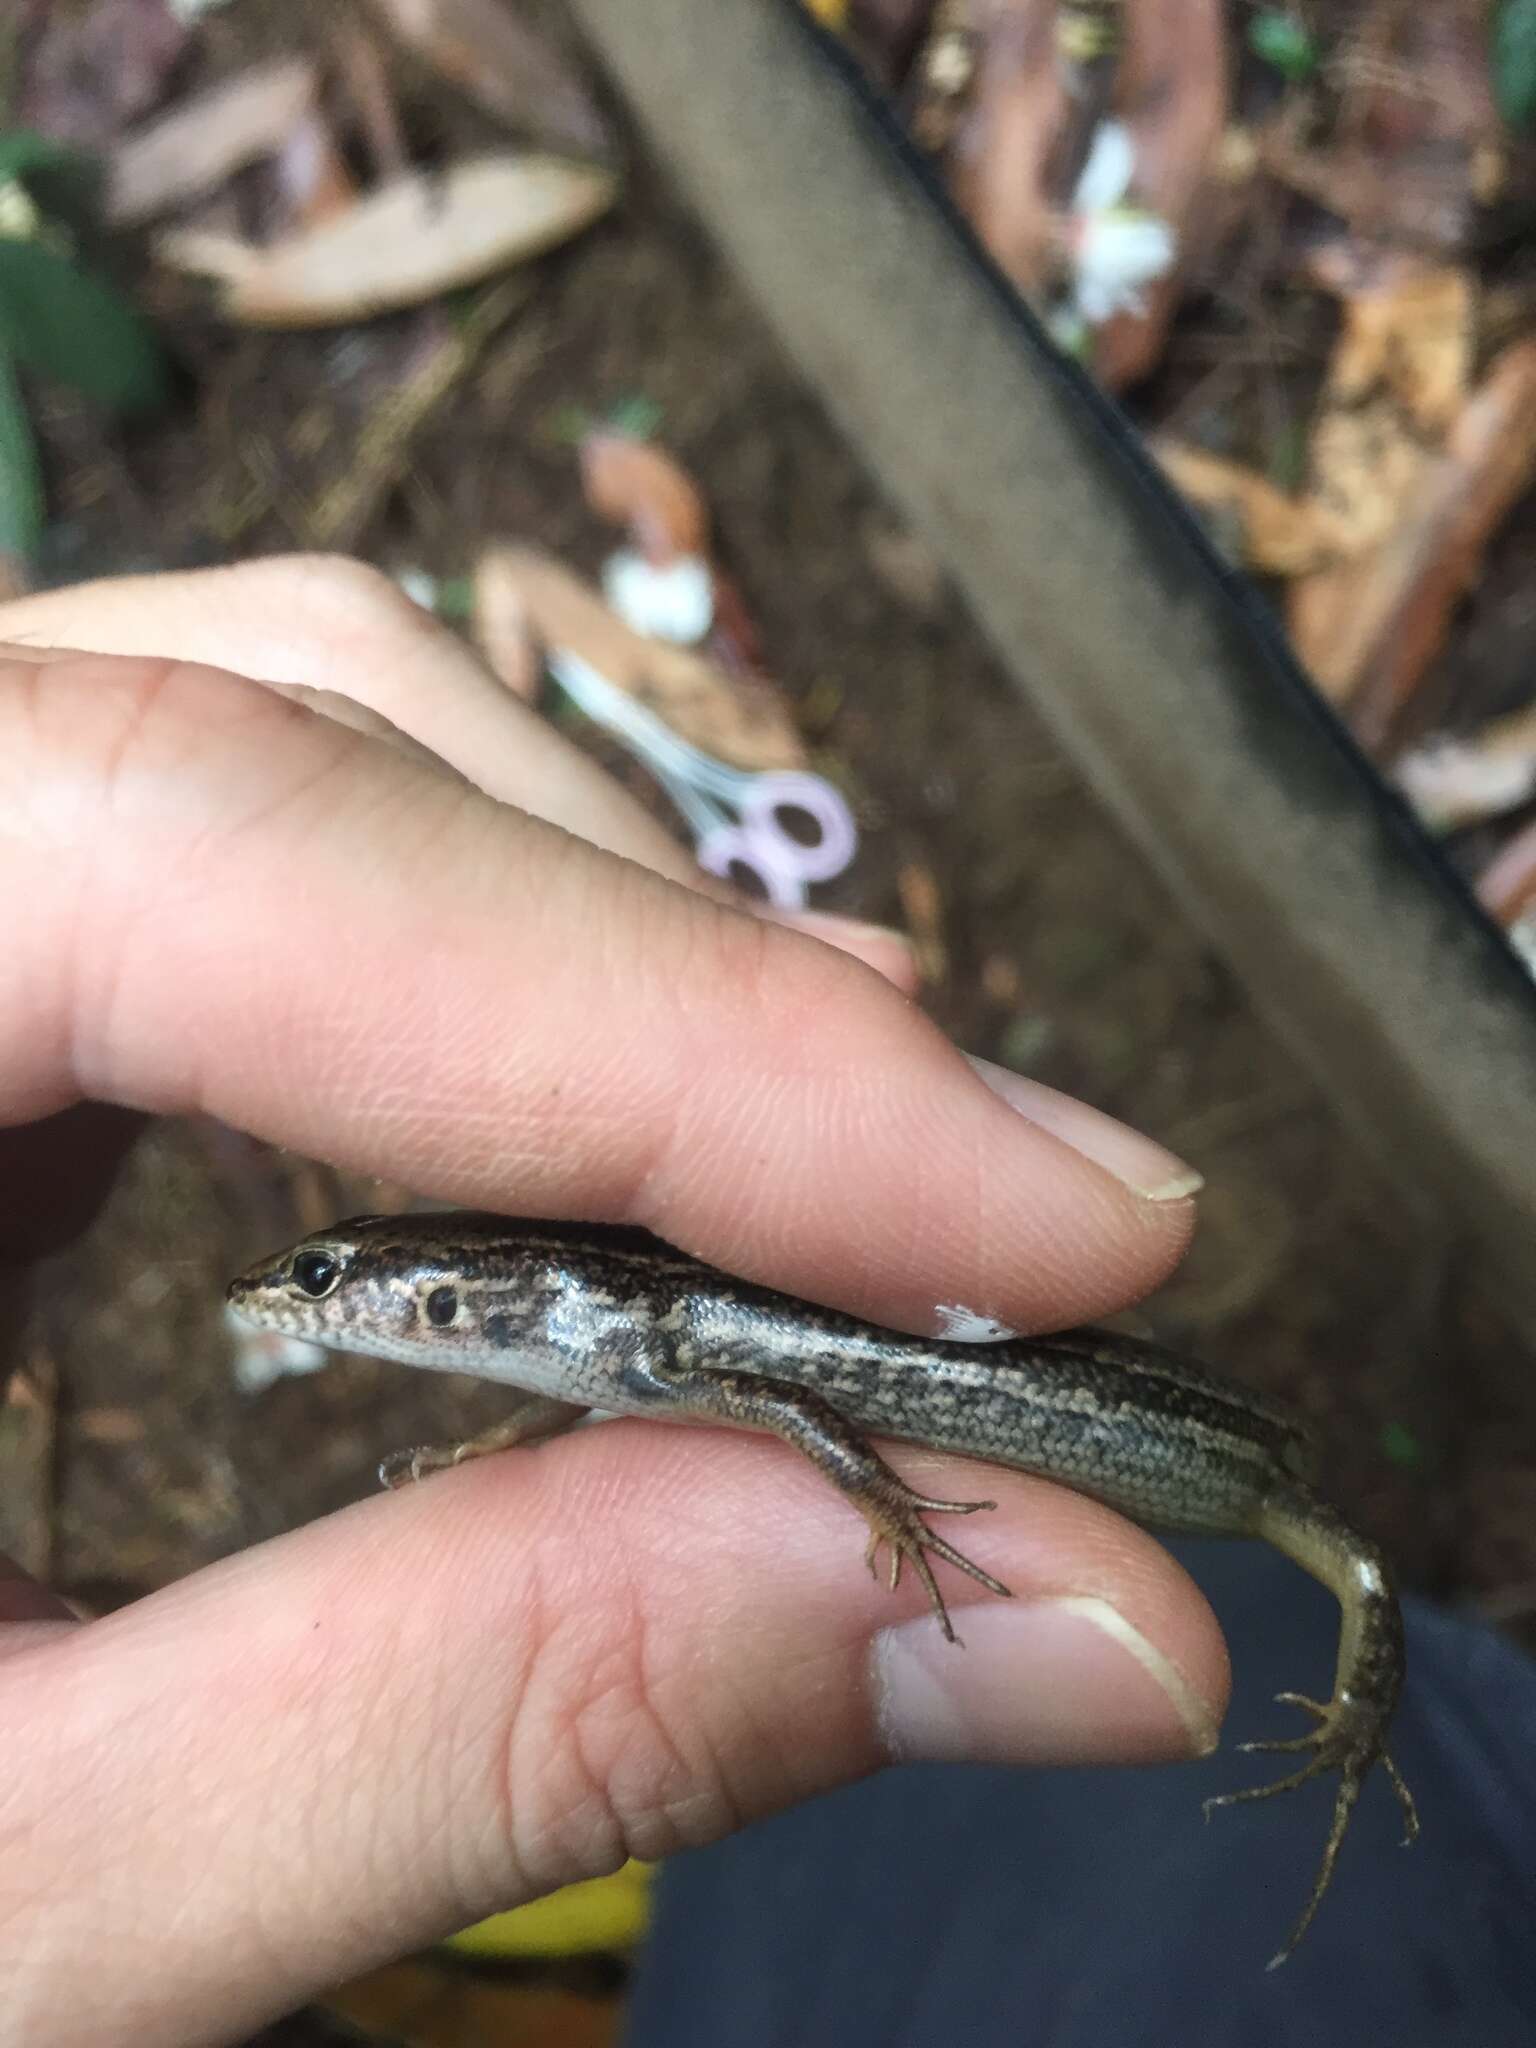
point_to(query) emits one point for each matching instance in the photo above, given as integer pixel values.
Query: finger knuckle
(342, 593)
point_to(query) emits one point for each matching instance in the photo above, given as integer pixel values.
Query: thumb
(358, 1737)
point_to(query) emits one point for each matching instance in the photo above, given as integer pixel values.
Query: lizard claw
(894, 1514)
(406, 1468)
(1347, 1739)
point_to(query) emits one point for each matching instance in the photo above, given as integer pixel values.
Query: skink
(581, 1316)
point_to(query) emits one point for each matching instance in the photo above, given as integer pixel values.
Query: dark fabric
(948, 1906)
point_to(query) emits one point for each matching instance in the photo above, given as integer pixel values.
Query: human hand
(351, 1740)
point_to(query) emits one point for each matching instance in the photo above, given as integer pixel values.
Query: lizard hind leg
(1350, 1731)
(1332, 1747)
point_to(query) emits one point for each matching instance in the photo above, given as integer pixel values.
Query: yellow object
(603, 1913)
(831, 14)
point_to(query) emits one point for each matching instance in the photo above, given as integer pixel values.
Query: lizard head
(418, 1288)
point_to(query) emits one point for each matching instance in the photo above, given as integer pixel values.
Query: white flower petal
(19, 220)
(674, 603)
(1117, 253)
(420, 586)
(1106, 176)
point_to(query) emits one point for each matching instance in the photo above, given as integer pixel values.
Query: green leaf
(1289, 453)
(567, 424)
(22, 150)
(21, 489)
(1402, 1447)
(65, 184)
(637, 416)
(1026, 1040)
(455, 599)
(1283, 41)
(1512, 62)
(67, 325)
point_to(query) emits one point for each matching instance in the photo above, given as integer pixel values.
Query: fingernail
(1147, 1168)
(1062, 1680)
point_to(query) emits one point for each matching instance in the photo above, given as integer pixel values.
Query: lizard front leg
(892, 1510)
(535, 1419)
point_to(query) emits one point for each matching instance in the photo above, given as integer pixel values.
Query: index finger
(225, 903)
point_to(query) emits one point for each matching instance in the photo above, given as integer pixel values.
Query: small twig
(337, 515)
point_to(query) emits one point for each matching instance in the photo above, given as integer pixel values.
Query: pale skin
(517, 995)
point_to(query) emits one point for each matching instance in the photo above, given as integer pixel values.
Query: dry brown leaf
(1003, 142)
(484, 49)
(1366, 465)
(641, 487)
(1171, 94)
(738, 718)
(1507, 886)
(1397, 381)
(505, 632)
(83, 73)
(887, 35)
(200, 142)
(922, 906)
(1408, 328)
(1002, 982)
(1398, 377)
(113, 1426)
(1409, 154)
(733, 639)
(409, 240)
(28, 1466)
(364, 78)
(1280, 535)
(1026, 128)
(1387, 614)
(1402, 488)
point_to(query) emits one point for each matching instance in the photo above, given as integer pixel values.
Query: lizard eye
(316, 1273)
